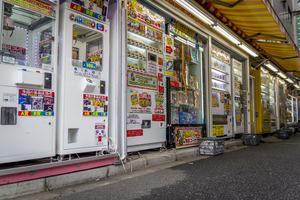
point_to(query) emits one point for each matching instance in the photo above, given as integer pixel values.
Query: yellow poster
(218, 130)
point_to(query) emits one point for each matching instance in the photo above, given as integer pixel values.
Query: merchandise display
(265, 98)
(238, 96)
(145, 78)
(221, 94)
(273, 102)
(184, 55)
(28, 79)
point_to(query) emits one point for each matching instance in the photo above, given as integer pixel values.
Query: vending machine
(185, 102)
(221, 95)
(28, 70)
(145, 80)
(239, 118)
(83, 77)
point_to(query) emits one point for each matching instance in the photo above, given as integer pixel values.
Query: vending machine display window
(265, 98)
(87, 48)
(272, 104)
(186, 95)
(184, 64)
(238, 96)
(26, 37)
(221, 95)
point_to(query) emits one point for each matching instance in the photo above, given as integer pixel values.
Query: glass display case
(186, 88)
(289, 106)
(27, 38)
(272, 93)
(221, 99)
(265, 98)
(238, 101)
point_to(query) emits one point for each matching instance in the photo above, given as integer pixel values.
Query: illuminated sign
(86, 22)
(88, 12)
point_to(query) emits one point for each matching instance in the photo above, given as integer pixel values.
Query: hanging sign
(140, 80)
(95, 105)
(36, 103)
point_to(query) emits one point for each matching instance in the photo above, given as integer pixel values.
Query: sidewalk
(134, 163)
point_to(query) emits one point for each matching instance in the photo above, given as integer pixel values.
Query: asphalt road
(268, 171)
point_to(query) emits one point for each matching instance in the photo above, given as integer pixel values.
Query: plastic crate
(211, 146)
(251, 139)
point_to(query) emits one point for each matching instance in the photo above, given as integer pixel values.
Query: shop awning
(256, 22)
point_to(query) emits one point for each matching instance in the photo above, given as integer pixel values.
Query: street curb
(144, 161)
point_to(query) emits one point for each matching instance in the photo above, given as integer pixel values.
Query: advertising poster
(218, 130)
(169, 52)
(159, 104)
(215, 99)
(36, 103)
(140, 80)
(95, 105)
(140, 102)
(187, 136)
(134, 121)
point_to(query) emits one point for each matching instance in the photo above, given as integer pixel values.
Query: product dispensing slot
(72, 135)
(8, 116)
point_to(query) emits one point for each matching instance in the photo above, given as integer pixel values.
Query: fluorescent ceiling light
(289, 80)
(281, 81)
(184, 41)
(226, 34)
(195, 11)
(271, 67)
(282, 75)
(297, 86)
(248, 50)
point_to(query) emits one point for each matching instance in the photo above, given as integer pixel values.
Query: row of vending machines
(60, 88)
(53, 100)
(275, 102)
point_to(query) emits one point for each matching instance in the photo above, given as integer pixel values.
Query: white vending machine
(83, 78)
(221, 93)
(28, 44)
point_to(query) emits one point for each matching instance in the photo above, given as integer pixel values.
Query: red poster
(133, 133)
(158, 118)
